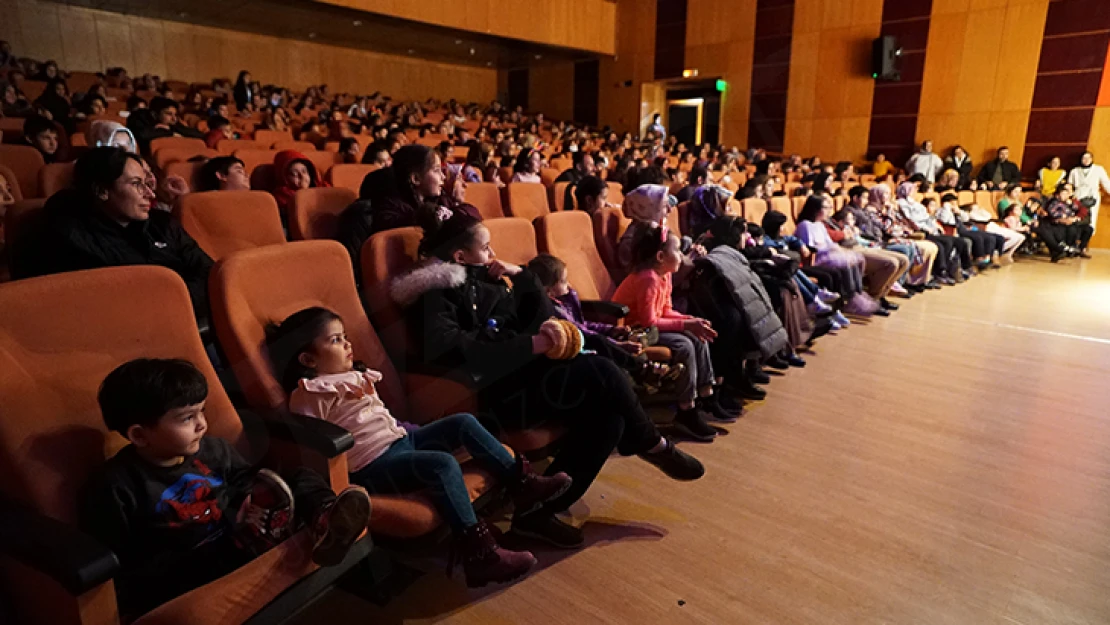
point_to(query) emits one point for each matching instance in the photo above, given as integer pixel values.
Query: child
(41, 134)
(647, 293)
(313, 359)
(181, 509)
(295, 172)
(606, 339)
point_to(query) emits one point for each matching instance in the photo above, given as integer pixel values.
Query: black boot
(712, 409)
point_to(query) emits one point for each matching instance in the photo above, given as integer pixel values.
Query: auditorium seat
(558, 196)
(569, 236)
(985, 200)
(513, 239)
(13, 182)
(25, 162)
(616, 193)
(486, 197)
(754, 209)
(785, 206)
(299, 146)
(188, 171)
(548, 176)
(268, 138)
(180, 143)
(323, 161)
(609, 225)
(349, 176)
(55, 177)
(53, 438)
(506, 174)
(255, 288)
(222, 222)
(165, 156)
(966, 197)
(227, 147)
(314, 213)
(12, 129)
(526, 199)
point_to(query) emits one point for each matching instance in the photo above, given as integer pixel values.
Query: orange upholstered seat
(569, 236)
(268, 138)
(187, 171)
(314, 213)
(486, 197)
(165, 156)
(55, 177)
(527, 200)
(257, 287)
(513, 239)
(785, 206)
(754, 209)
(223, 222)
(24, 162)
(230, 146)
(179, 143)
(609, 225)
(53, 437)
(13, 182)
(349, 176)
(558, 196)
(289, 144)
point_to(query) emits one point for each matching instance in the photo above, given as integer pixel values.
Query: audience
(1049, 176)
(960, 162)
(999, 173)
(925, 163)
(42, 134)
(224, 173)
(1089, 180)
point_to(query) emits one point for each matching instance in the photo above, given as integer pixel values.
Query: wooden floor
(948, 465)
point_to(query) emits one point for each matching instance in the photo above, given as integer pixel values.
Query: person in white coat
(1089, 180)
(925, 162)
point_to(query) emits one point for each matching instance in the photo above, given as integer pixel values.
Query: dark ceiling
(338, 26)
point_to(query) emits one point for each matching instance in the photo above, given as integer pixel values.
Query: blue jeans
(423, 460)
(807, 287)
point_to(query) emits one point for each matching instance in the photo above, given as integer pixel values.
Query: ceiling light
(473, 52)
(311, 35)
(411, 51)
(357, 23)
(539, 56)
(458, 42)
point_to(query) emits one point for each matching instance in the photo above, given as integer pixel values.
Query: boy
(224, 173)
(42, 134)
(591, 194)
(180, 509)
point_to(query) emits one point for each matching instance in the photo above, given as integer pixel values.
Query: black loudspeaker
(886, 59)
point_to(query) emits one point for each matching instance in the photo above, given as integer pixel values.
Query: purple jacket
(569, 308)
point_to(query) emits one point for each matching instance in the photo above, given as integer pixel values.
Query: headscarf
(285, 159)
(906, 190)
(709, 196)
(647, 202)
(878, 197)
(104, 132)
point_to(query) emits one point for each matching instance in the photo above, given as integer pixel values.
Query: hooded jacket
(71, 234)
(283, 193)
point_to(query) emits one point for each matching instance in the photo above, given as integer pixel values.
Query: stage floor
(948, 465)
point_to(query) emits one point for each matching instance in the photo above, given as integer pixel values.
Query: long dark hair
(294, 336)
(443, 237)
(647, 243)
(523, 160)
(728, 230)
(811, 210)
(99, 168)
(412, 159)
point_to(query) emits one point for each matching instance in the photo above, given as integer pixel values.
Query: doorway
(685, 120)
(694, 109)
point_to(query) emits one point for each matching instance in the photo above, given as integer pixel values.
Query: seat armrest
(73, 559)
(603, 311)
(327, 439)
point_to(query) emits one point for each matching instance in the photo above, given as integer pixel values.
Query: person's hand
(974, 185)
(620, 333)
(698, 251)
(700, 328)
(632, 347)
(174, 187)
(805, 251)
(500, 268)
(549, 336)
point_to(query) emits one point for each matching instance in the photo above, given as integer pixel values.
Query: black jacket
(459, 321)
(71, 235)
(964, 169)
(1011, 175)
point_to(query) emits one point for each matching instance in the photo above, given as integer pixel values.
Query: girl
(527, 167)
(401, 192)
(647, 293)
(313, 358)
(488, 323)
(849, 265)
(296, 173)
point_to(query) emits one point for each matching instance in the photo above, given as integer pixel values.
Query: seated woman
(489, 323)
(882, 269)
(848, 265)
(870, 210)
(708, 203)
(819, 287)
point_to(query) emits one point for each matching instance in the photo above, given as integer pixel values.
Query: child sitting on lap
(181, 509)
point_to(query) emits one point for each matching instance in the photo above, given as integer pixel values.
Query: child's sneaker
(532, 490)
(827, 296)
(266, 515)
(484, 561)
(339, 525)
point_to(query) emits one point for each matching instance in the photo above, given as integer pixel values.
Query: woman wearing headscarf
(709, 202)
(883, 212)
(102, 132)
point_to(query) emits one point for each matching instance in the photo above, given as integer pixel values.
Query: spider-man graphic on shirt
(193, 499)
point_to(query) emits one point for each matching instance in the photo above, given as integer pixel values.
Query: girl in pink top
(313, 357)
(647, 293)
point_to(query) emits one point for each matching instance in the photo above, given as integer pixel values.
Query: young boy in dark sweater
(181, 509)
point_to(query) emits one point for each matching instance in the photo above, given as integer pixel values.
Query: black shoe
(547, 528)
(691, 423)
(729, 402)
(1057, 256)
(676, 463)
(917, 288)
(932, 285)
(881, 312)
(777, 362)
(795, 360)
(887, 305)
(757, 376)
(747, 390)
(714, 411)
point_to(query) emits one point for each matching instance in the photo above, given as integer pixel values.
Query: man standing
(925, 163)
(1089, 180)
(999, 174)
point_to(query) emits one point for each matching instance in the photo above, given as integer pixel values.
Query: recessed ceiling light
(489, 63)
(539, 56)
(357, 22)
(411, 51)
(473, 52)
(311, 35)
(458, 42)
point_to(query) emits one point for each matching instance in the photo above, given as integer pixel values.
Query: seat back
(559, 197)
(259, 165)
(180, 143)
(985, 200)
(754, 210)
(548, 176)
(349, 176)
(13, 182)
(223, 222)
(228, 147)
(798, 204)
(324, 161)
(254, 288)
(785, 206)
(165, 156)
(24, 162)
(616, 193)
(189, 172)
(568, 235)
(290, 144)
(55, 177)
(314, 213)
(268, 138)
(609, 225)
(513, 239)
(385, 256)
(60, 335)
(527, 200)
(486, 197)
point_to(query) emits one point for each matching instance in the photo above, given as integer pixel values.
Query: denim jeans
(423, 460)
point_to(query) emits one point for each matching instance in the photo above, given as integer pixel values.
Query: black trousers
(948, 258)
(983, 244)
(590, 397)
(1078, 235)
(1057, 236)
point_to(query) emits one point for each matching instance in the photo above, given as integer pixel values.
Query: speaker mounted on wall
(886, 59)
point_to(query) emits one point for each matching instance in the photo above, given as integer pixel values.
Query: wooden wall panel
(720, 42)
(622, 76)
(1099, 144)
(90, 40)
(579, 24)
(551, 90)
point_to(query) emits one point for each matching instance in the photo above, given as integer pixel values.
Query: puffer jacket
(726, 270)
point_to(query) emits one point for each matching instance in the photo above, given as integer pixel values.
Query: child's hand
(632, 347)
(700, 328)
(548, 337)
(500, 268)
(620, 333)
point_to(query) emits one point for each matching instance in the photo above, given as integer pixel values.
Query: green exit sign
(721, 85)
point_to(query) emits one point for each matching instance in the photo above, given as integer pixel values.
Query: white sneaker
(819, 308)
(827, 296)
(840, 320)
